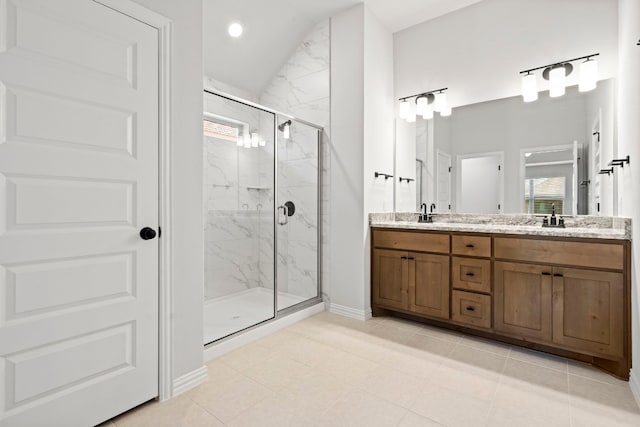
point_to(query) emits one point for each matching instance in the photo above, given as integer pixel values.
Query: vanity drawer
(471, 274)
(472, 309)
(411, 241)
(587, 254)
(471, 245)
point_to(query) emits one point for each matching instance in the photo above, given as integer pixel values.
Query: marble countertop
(581, 227)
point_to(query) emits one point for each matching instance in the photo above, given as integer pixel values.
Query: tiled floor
(333, 371)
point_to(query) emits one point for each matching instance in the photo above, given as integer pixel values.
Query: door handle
(147, 233)
(285, 215)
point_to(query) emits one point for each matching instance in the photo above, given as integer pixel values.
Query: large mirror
(508, 156)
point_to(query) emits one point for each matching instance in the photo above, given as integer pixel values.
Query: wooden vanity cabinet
(522, 300)
(565, 296)
(411, 281)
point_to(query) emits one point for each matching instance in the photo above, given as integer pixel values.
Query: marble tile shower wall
(237, 203)
(302, 88)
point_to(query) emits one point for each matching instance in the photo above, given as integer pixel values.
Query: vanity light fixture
(425, 104)
(285, 128)
(557, 75)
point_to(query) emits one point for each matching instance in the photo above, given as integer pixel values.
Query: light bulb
(445, 112)
(588, 75)
(428, 114)
(286, 130)
(405, 109)
(235, 29)
(440, 102)
(529, 87)
(557, 81)
(421, 105)
(255, 139)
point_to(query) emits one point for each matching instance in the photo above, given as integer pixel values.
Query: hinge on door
(449, 207)
(449, 169)
(159, 232)
(498, 206)
(499, 167)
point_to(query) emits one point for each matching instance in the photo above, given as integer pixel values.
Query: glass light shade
(557, 82)
(529, 87)
(286, 131)
(445, 112)
(411, 118)
(262, 142)
(405, 109)
(588, 75)
(255, 139)
(421, 105)
(440, 101)
(428, 114)
(240, 140)
(247, 140)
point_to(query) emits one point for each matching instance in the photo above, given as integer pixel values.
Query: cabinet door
(390, 278)
(429, 284)
(588, 311)
(522, 300)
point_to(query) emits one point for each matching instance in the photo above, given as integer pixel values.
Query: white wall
(346, 283)
(378, 129)
(361, 143)
(478, 51)
(188, 222)
(629, 143)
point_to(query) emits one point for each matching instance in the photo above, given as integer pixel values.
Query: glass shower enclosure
(262, 222)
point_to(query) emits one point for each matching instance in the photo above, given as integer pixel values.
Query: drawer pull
(470, 274)
(411, 258)
(470, 308)
(544, 273)
(471, 246)
(403, 257)
(557, 275)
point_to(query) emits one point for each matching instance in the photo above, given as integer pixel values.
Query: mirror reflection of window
(543, 193)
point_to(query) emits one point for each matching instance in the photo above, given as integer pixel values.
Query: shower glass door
(297, 225)
(238, 144)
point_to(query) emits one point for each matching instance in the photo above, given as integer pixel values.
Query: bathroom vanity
(564, 291)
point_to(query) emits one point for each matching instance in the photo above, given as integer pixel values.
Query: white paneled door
(78, 181)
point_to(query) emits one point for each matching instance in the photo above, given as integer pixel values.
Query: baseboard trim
(353, 313)
(190, 380)
(634, 383)
(218, 349)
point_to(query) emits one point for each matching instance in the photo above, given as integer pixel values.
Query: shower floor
(231, 313)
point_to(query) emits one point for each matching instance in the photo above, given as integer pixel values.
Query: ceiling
(274, 28)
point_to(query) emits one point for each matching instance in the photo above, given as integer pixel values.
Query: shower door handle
(285, 215)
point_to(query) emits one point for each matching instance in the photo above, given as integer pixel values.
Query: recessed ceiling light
(235, 29)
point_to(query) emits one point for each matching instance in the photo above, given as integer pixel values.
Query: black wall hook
(605, 171)
(620, 162)
(379, 174)
(406, 179)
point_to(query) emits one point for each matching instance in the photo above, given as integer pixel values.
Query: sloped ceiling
(274, 28)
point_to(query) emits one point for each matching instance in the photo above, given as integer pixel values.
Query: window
(541, 193)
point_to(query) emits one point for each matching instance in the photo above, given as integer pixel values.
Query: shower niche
(261, 186)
